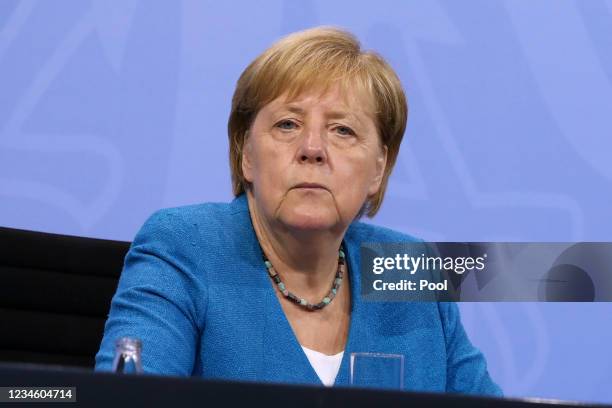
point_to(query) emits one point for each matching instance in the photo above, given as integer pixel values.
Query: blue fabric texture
(194, 289)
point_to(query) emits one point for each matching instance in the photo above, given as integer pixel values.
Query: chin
(310, 220)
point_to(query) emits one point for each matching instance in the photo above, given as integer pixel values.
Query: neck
(306, 260)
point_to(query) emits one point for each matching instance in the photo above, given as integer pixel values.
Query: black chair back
(55, 293)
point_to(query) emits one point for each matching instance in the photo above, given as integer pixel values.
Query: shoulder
(192, 230)
(195, 214)
(203, 218)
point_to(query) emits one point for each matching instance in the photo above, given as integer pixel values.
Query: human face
(314, 160)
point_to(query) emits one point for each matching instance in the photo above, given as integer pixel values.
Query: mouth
(311, 186)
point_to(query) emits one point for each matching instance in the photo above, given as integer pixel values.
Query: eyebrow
(294, 109)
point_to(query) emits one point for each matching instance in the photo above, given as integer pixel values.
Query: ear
(247, 160)
(381, 165)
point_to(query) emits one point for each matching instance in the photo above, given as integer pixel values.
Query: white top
(325, 366)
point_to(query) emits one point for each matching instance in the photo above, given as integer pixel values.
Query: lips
(310, 185)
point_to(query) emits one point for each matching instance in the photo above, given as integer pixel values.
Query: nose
(312, 148)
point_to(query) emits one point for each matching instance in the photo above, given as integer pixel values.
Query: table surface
(107, 389)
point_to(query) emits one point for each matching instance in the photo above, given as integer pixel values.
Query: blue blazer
(195, 290)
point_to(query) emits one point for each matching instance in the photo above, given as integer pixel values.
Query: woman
(266, 288)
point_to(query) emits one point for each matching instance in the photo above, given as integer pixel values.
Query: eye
(345, 131)
(286, 124)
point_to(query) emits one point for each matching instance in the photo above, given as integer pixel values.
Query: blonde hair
(318, 58)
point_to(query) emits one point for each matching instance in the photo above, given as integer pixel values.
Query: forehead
(336, 98)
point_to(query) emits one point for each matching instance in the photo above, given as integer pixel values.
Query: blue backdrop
(110, 110)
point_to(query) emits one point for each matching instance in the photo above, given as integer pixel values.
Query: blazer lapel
(283, 357)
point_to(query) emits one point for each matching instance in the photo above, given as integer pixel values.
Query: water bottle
(127, 356)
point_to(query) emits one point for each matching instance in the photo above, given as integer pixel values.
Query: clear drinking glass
(127, 356)
(377, 370)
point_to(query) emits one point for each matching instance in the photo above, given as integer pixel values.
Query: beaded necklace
(301, 301)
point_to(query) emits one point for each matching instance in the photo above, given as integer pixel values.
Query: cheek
(355, 176)
(270, 164)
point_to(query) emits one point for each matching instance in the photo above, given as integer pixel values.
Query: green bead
(268, 264)
(303, 302)
(281, 286)
(341, 253)
(334, 291)
(326, 300)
